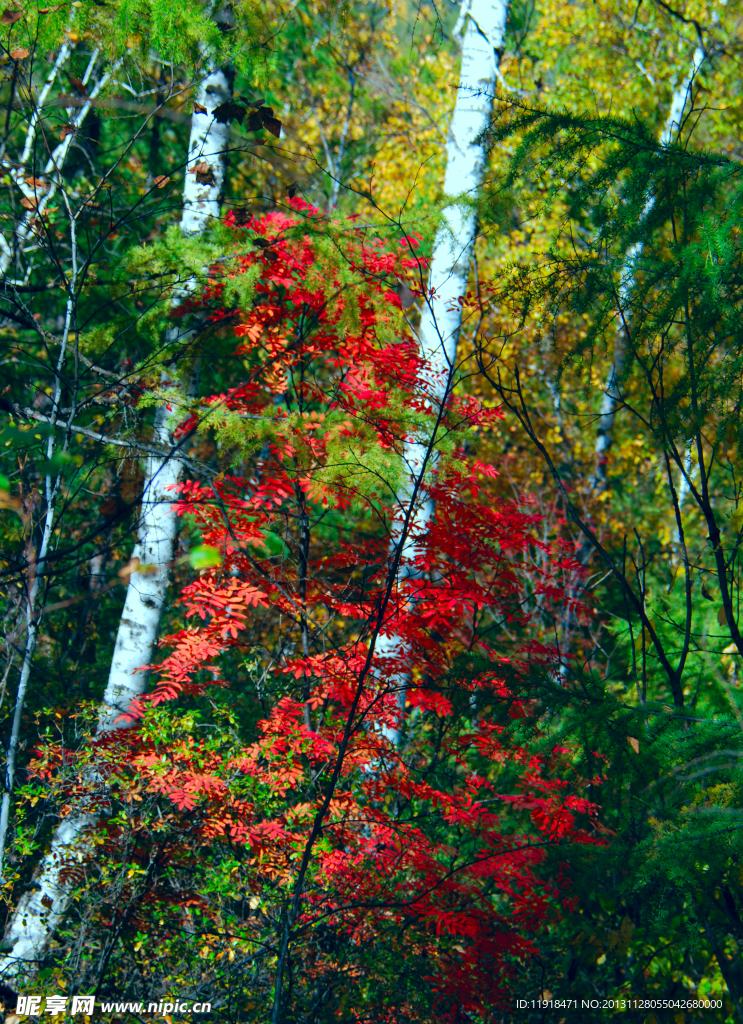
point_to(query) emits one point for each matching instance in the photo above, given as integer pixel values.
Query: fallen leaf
(35, 182)
(28, 204)
(51, 10)
(634, 743)
(161, 180)
(20, 54)
(126, 571)
(198, 109)
(9, 17)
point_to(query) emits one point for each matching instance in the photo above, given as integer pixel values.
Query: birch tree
(41, 909)
(611, 400)
(481, 27)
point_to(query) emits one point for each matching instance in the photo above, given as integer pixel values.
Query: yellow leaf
(634, 743)
(130, 567)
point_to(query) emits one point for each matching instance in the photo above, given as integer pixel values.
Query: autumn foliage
(385, 816)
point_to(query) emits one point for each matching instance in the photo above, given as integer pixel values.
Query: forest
(371, 511)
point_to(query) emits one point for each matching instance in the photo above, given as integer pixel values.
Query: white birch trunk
(42, 909)
(37, 570)
(42, 195)
(611, 399)
(466, 156)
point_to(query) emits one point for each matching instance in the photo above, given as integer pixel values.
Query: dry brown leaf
(9, 17)
(35, 182)
(161, 180)
(203, 173)
(634, 743)
(69, 129)
(28, 204)
(20, 54)
(274, 125)
(198, 109)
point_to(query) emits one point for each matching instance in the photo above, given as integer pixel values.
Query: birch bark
(611, 400)
(23, 235)
(466, 155)
(41, 910)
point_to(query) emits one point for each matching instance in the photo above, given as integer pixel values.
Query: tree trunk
(611, 400)
(466, 156)
(41, 910)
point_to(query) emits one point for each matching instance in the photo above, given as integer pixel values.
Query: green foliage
(178, 34)
(642, 269)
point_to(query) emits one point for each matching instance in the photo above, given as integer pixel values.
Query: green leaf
(59, 463)
(272, 546)
(204, 557)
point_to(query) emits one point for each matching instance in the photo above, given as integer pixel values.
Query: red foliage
(429, 850)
